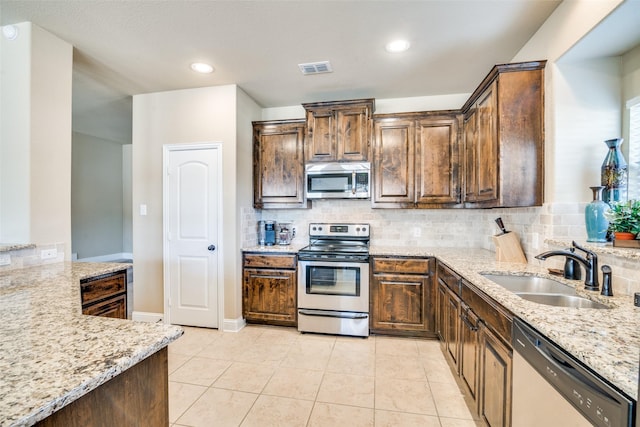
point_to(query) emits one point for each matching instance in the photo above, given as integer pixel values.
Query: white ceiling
(129, 47)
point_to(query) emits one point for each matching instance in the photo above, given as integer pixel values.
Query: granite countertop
(8, 247)
(279, 249)
(50, 353)
(606, 340)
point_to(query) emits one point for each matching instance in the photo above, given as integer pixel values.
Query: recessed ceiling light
(201, 67)
(10, 32)
(397, 46)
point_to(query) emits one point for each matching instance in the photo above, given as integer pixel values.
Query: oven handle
(339, 314)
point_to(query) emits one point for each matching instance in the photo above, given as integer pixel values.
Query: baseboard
(107, 258)
(233, 325)
(142, 316)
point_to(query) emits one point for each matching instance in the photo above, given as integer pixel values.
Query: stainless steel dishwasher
(552, 388)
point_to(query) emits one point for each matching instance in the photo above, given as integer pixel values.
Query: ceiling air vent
(315, 67)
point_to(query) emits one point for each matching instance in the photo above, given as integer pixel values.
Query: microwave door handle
(353, 182)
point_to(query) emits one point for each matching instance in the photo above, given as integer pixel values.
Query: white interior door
(192, 255)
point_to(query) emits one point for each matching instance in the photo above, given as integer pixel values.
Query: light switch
(143, 209)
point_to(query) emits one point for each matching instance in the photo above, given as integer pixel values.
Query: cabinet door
(353, 133)
(441, 312)
(394, 160)
(495, 380)
(452, 326)
(469, 350)
(278, 165)
(320, 140)
(269, 296)
(486, 162)
(437, 160)
(401, 303)
(470, 161)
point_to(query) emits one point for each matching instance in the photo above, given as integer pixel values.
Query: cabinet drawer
(97, 289)
(401, 265)
(451, 279)
(115, 307)
(270, 261)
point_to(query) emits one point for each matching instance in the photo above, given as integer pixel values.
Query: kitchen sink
(542, 290)
(559, 300)
(530, 284)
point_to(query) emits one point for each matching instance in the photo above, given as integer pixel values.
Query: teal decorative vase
(613, 173)
(594, 219)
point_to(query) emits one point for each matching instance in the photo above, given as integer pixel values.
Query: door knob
(212, 248)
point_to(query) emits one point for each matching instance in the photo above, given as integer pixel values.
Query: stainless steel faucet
(590, 263)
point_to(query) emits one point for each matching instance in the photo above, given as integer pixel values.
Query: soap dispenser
(572, 268)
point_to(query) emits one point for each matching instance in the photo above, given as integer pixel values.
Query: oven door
(338, 286)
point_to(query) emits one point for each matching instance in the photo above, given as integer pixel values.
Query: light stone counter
(50, 353)
(277, 249)
(8, 247)
(606, 340)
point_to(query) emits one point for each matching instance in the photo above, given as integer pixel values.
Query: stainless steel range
(333, 280)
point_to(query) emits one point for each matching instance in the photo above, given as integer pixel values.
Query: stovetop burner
(339, 241)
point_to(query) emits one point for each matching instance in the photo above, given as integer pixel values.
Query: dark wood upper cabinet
(416, 160)
(338, 131)
(278, 164)
(504, 138)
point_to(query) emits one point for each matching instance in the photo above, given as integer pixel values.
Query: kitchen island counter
(606, 340)
(50, 353)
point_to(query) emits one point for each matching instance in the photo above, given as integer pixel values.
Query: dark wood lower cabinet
(474, 331)
(138, 397)
(469, 350)
(269, 292)
(105, 295)
(495, 380)
(402, 296)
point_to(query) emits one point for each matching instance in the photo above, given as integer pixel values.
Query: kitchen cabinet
(403, 296)
(338, 131)
(504, 138)
(469, 350)
(139, 396)
(475, 332)
(105, 295)
(416, 158)
(269, 293)
(278, 164)
(495, 379)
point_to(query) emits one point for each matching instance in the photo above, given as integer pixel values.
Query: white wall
(175, 117)
(96, 196)
(36, 138)
(127, 207)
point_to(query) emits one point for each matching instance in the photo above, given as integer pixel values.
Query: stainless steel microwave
(349, 180)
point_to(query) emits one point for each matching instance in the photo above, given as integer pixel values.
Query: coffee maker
(267, 233)
(285, 232)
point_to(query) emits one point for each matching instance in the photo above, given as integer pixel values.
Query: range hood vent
(315, 67)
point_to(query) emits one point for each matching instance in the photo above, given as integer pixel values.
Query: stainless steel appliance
(349, 180)
(333, 280)
(551, 388)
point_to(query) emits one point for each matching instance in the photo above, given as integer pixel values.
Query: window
(634, 148)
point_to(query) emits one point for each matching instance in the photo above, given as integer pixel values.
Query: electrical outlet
(417, 232)
(48, 253)
(5, 259)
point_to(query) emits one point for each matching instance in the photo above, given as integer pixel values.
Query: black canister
(269, 233)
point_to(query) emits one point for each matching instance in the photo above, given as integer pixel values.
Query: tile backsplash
(464, 228)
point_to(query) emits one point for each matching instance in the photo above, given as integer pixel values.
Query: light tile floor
(271, 376)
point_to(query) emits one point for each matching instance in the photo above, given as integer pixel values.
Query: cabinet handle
(211, 248)
(467, 322)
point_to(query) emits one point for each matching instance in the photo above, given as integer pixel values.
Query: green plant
(624, 217)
